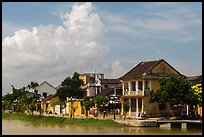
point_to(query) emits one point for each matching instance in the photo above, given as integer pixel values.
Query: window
(162, 106)
(126, 86)
(106, 85)
(146, 84)
(140, 85)
(45, 94)
(133, 86)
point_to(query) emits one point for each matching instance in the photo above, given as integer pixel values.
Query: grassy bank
(62, 120)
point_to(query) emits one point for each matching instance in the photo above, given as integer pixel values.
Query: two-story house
(139, 81)
(89, 87)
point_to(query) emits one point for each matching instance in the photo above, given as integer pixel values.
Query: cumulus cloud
(45, 52)
(117, 69)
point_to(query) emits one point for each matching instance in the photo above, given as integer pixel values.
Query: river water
(17, 127)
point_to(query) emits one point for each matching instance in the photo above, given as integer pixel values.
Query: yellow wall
(199, 110)
(155, 85)
(167, 69)
(151, 108)
(83, 77)
(77, 106)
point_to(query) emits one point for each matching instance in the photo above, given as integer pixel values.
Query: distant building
(45, 89)
(195, 79)
(89, 86)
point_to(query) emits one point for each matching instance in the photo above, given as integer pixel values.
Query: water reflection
(39, 128)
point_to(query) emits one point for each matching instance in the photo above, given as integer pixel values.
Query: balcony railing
(140, 92)
(147, 92)
(133, 93)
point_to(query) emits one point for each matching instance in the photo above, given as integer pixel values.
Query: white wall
(45, 87)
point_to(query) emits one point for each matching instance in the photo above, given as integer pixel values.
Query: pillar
(129, 88)
(129, 106)
(137, 108)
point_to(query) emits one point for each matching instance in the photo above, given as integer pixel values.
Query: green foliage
(197, 90)
(126, 106)
(63, 120)
(20, 99)
(101, 102)
(70, 87)
(174, 90)
(88, 103)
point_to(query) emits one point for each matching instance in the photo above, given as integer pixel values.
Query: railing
(133, 93)
(140, 92)
(147, 92)
(126, 93)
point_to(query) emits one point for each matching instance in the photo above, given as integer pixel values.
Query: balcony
(147, 92)
(133, 93)
(139, 92)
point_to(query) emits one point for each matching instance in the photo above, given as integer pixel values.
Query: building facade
(139, 81)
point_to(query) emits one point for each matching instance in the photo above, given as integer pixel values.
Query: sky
(49, 41)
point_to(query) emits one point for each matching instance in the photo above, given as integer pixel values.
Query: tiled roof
(143, 70)
(140, 69)
(195, 79)
(49, 97)
(110, 81)
(106, 92)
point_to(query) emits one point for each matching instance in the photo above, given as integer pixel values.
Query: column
(150, 85)
(136, 85)
(137, 109)
(123, 88)
(143, 86)
(129, 106)
(187, 110)
(129, 88)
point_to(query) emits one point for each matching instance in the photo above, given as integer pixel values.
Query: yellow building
(49, 103)
(89, 86)
(74, 107)
(139, 81)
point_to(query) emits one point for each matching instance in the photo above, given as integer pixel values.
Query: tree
(87, 103)
(174, 90)
(70, 87)
(101, 102)
(125, 107)
(197, 90)
(32, 85)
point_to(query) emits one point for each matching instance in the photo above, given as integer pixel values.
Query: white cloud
(117, 69)
(50, 51)
(172, 23)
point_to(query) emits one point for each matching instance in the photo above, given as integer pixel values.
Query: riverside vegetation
(62, 120)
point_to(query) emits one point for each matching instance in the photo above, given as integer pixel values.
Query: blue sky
(50, 40)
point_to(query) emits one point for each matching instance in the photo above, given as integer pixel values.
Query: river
(17, 127)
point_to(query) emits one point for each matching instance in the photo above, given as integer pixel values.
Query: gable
(164, 68)
(46, 87)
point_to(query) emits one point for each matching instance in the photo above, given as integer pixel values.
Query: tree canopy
(197, 89)
(174, 90)
(20, 98)
(70, 87)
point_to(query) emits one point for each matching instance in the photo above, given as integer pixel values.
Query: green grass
(63, 120)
